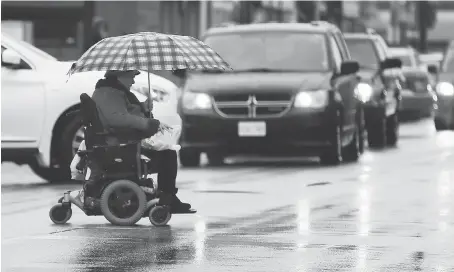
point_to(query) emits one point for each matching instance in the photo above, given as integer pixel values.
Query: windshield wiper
(369, 67)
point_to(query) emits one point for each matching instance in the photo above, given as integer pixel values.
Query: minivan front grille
(264, 105)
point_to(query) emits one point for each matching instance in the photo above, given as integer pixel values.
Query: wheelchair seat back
(110, 160)
(95, 133)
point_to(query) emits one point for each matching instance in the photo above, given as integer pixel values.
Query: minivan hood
(258, 82)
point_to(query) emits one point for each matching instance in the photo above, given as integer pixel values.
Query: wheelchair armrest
(119, 176)
(113, 146)
(82, 153)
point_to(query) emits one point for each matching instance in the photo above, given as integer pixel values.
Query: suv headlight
(311, 99)
(364, 92)
(192, 101)
(445, 88)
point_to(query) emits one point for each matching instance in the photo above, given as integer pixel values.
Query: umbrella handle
(150, 100)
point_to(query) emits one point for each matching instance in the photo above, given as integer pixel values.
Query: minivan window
(37, 51)
(290, 51)
(363, 51)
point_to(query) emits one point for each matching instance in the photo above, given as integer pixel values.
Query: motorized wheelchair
(117, 175)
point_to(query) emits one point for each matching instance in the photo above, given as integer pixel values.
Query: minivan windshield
(363, 51)
(272, 51)
(37, 51)
(26, 48)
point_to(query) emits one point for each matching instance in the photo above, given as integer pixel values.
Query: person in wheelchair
(121, 113)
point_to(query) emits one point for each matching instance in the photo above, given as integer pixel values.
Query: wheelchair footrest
(190, 211)
(89, 212)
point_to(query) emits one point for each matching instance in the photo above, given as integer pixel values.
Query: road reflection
(445, 180)
(445, 140)
(303, 223)
(364, 201)
(200, 240)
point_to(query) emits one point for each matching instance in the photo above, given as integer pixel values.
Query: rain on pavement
(392, 211)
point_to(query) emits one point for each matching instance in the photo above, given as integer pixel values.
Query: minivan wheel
(361, 132)
(72, 135)
(69, 139)
(334, 154)
(351, 152)
(440, 125)
(51, 175)
(215, 159)
(392, 130)
(376, 133)
(189, 157)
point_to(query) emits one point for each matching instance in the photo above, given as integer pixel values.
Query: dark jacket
(121, 113)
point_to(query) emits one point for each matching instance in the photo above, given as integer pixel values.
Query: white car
(40, 104)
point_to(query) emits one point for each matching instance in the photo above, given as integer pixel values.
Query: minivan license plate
(251, 129)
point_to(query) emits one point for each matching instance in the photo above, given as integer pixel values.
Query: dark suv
(291, 92)
(380, 86)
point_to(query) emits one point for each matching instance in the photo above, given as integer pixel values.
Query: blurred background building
(66, 28)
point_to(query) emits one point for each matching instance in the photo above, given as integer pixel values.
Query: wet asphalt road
(392, 211)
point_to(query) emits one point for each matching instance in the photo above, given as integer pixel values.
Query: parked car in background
(408, 55)
(380, 87)
(431, 63)
(40, 122)
(418, 96)
(428, 59)
(291, 92)
(444, 115)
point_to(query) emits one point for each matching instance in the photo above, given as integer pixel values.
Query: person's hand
(163, 127)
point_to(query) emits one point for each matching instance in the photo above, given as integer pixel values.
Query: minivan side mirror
(11, 58)
(391, 63)
(433, 69)
(349, 67)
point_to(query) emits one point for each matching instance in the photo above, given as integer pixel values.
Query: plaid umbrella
(148, 51)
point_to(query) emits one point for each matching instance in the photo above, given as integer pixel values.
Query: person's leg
(165, 163)
(167, 167)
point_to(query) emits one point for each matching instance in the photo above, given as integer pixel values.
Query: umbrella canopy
(148, 51)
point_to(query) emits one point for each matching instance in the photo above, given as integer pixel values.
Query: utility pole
(421, 10)
(305, 11)
(88, 14)
(335, 12)
(246, 10)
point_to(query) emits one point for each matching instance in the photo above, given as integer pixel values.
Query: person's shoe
(176, 206)
(179, 207)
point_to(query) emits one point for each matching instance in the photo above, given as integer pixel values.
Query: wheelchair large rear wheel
(123, 203)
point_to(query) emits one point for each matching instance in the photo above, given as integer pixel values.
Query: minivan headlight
(192, 100)
(445, 88)
(311, 99)
(364, 92)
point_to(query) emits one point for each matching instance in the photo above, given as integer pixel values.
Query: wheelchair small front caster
(159, 215)
(60, 214)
